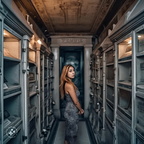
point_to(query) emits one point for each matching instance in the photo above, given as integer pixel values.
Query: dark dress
(72, 119)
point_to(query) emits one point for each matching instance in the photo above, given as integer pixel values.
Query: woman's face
(71, 72)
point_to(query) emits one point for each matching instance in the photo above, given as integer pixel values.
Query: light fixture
(4, 33)
(129, 42)
(39, 41)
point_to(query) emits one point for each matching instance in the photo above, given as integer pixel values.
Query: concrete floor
(83, 136)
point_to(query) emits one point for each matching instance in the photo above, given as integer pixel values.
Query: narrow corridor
(103, 43)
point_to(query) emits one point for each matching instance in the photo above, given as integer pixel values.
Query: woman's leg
(71, 128)
(71, 132)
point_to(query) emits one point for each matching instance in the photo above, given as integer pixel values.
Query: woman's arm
(70, 89)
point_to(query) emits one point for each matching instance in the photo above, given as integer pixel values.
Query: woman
(73, 107)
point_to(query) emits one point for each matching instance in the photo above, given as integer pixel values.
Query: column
(87, 73)
(56, 96)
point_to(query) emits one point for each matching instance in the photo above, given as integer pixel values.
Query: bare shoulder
(68, 86)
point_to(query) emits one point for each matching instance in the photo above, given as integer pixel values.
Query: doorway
(73, 55)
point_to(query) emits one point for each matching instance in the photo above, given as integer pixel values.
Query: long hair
(64, 79)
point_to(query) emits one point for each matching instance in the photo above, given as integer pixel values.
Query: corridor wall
(117, 107)
(22, 93)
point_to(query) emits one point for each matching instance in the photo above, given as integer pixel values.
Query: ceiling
(85, 17)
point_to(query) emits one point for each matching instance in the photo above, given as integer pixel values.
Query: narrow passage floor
(84, 135)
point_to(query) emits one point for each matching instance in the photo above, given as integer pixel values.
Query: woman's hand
(81, 111)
